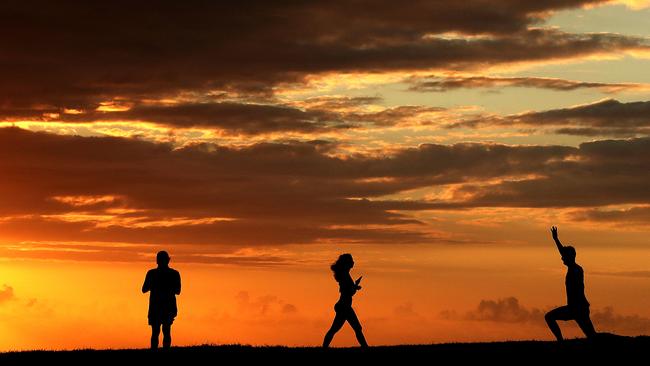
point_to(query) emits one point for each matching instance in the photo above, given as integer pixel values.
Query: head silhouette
(568, 255)
(162, 258)
(342, 265)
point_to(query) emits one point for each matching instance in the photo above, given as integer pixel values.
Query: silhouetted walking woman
(343, 307)
(577, 307)
(164, 284)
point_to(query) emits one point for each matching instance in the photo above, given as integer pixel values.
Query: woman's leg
(356, 325)
(338, 322)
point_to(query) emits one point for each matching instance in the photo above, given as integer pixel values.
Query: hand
(554, 232)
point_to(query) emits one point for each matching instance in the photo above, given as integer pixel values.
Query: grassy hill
(612, 349)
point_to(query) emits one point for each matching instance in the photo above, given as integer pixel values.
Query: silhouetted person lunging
(343, 307)
(164, 284)
(577, 307)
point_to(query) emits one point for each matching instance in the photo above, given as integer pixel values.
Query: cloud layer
(71, 188)
(442, 84)
(603, 118)
(63, 57)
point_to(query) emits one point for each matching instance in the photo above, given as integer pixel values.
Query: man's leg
(584, 322)
(155, 332)
(561, 313)
(167, 335)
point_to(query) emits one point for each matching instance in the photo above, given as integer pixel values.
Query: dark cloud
(596, 173)
(509, 310)
(350, 112)
(603, 118)
(620, 132)
(232, 117)
(289, 309)
(82, 164)
(394, 116)
(608, 113)
(94, 189)
(442, 84)
(406, 310)
(63, 55)
(323, 115)
(273, 193)
(329, 102)
(608, 320)
(108, 252)
(277, 230)
(630, 274)
(627, 216)
(264, 305)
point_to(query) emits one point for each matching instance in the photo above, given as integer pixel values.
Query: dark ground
(612, 349)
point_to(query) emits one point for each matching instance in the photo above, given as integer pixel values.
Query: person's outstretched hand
(554, 232)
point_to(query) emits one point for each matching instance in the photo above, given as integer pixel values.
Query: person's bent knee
(549, 317)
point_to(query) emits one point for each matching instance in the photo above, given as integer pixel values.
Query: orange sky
(437, 143)
(411, 295)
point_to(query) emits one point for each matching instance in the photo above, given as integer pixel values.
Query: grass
(605, 349)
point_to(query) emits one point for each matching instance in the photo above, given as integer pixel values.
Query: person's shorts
(161, 321)
(569, 312)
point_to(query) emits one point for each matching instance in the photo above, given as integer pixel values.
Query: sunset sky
(435, 141)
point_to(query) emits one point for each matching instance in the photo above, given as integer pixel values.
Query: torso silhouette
(164, 284)
(347, 288)
(575, 286)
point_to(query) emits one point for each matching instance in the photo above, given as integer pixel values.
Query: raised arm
(146, 286)
(556, 239)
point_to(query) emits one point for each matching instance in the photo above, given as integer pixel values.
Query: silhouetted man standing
(577, 307)
(164, 284)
